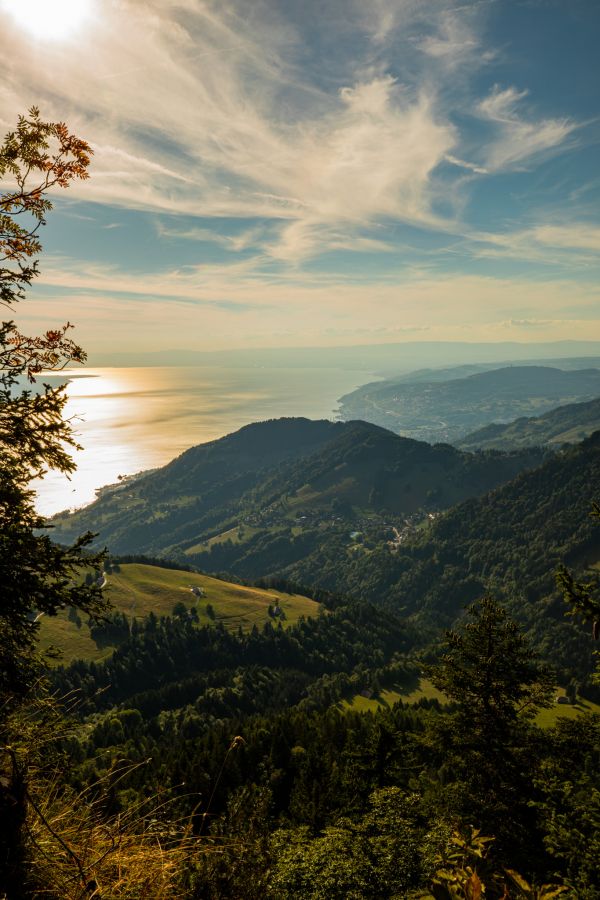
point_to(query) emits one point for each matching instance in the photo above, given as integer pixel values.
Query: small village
(371, 527)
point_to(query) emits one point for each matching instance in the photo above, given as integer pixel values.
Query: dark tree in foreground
(36, 576)
(486, 747)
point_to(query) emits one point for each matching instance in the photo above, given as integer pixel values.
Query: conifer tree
(37, 576)
(485, 746)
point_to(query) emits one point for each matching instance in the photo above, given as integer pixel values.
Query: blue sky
(277, 172)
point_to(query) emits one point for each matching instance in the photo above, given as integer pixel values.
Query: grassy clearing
(387, 698)
(138, 590)
(304, 496)
(575, 434)
(58, 632)
(547, 718)
(237, 535)
(424, 690)
(383, 700)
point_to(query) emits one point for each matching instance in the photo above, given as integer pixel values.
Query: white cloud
(193, 109)
(381, 18)
(374, 162)
(250, 237)
(454, 43)
(529, 323)
(580, 236)
(463, 164)
(204, 108)
(573, 243)
(501, 106)
(516, 139)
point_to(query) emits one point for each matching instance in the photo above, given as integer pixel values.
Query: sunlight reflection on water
(133, 419)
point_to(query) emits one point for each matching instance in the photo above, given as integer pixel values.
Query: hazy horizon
(386, 357)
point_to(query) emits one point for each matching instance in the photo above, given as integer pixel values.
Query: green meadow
(386, 698)
(546, 718)
(138, 590)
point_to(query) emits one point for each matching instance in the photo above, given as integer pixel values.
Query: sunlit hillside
(137, 590)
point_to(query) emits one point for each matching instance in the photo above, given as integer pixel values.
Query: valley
(356, 511)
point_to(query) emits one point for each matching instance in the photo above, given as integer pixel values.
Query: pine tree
(486, 746)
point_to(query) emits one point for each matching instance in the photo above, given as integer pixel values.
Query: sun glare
(53, 20)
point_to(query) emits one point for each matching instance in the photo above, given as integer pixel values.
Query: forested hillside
(292, 796)
(508, 542)
(360, 517)
(287, 477)
(564, 425)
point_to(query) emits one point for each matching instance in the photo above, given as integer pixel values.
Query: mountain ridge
(449, 410)
(270, 474)
(565, 424)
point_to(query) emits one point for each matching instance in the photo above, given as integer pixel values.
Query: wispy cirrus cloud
(241, 240)
(192, 108)
(309, 303)
(577, 236)
(518, 139)
(196, 108)
(291, 136)
(455, 43)
(562, 244)
(376, 162)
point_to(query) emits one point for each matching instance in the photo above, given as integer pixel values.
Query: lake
(132, 419)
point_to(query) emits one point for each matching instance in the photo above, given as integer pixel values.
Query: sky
(292, 173)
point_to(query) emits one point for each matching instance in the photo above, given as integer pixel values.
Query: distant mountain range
(565, 425)
(448, 410)
(286, 476)
(451, 373)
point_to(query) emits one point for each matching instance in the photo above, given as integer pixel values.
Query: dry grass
(71, 848)
(76, 852)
